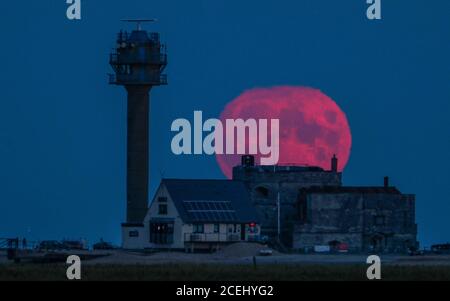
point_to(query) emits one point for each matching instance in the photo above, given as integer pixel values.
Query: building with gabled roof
(195, 214)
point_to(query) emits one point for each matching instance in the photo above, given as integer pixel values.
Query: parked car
(413, 251)
(441, 249)
(265, 252)
(51, 245)
(103, 245)
(73, 245)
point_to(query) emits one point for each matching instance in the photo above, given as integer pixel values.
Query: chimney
(386, 182)
(334, 164)
(248, 160)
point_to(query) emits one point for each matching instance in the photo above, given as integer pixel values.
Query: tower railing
(153, 59)
(124, 35)
(131, 79)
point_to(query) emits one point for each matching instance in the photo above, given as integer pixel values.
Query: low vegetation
(220, 272)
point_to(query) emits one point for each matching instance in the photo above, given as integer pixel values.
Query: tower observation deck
(138, 62)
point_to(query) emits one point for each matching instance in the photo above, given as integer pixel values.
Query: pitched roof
(211, 201)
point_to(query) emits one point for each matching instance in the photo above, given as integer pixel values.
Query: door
(242, 231)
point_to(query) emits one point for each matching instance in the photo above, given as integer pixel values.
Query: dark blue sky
(63, 128)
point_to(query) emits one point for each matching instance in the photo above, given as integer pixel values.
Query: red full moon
(312, 126)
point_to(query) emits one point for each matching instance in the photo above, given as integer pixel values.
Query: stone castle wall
(382, 219)
(377, 221)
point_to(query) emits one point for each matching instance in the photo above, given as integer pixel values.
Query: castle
(299, 208)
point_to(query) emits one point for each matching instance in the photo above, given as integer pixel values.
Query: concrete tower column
(137, 152)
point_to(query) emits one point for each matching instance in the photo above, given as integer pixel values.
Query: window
(233, 228)
(162, 199)
(161, 233)
(128, 69)
(262, 192)
(379, 220)
(302, 207)
(198, 228)
(133, 233)
(216, 228)
(405, 219)
(162, 209)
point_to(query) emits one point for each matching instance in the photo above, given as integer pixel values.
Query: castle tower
(138, 62)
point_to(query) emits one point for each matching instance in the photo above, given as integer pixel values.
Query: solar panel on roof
(196, 215)
(187, 206)
(210, 210)
(228, 206)
(207, 205)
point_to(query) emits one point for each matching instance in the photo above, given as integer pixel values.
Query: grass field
(190, 272)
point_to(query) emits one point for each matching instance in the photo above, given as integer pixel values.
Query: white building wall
(172, 213)
(133, 242)
(143, 240)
